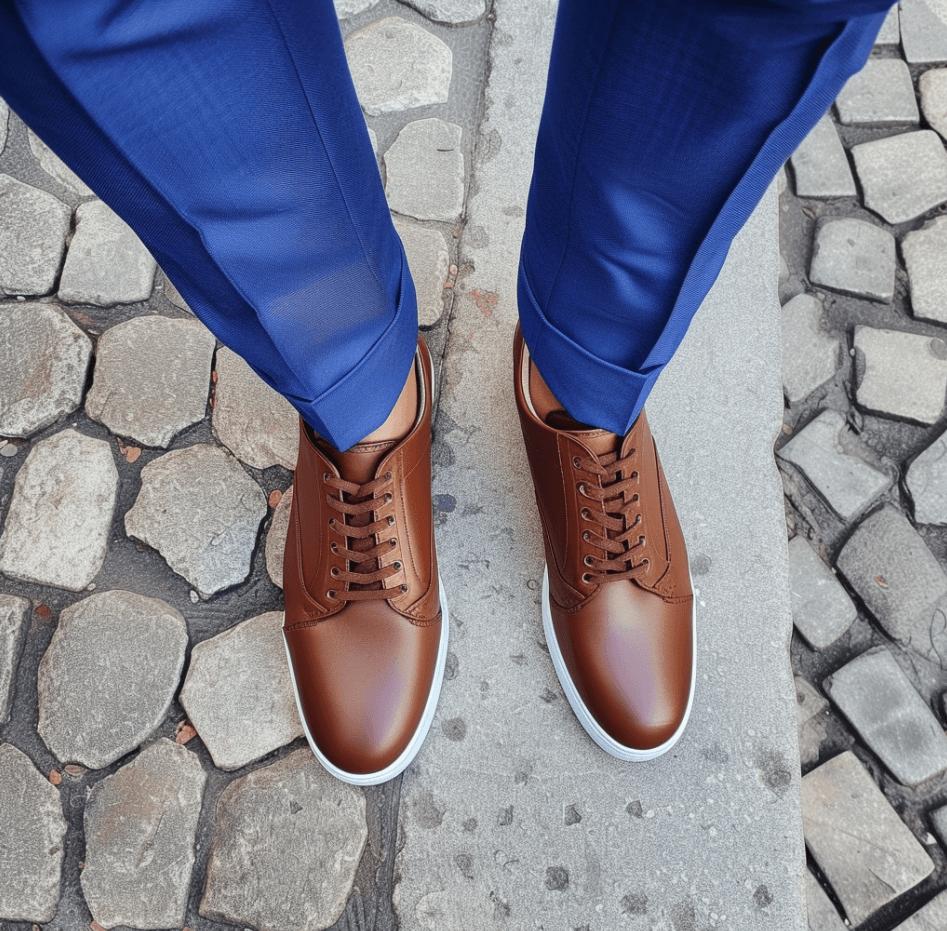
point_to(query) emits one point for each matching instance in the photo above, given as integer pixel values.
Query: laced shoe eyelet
(403, 587)
(646, 562)
(585, 514)
(332, 522)
(392, 543)
(588, 561)
(330, 594)
(334, 572)
(326, 476)
(586, 578)
(391, 519)
(387, 476)
(388, 496)
(586, 536)
(634, 474)
(397, 564)
(635, 497)
(576, 462)
(333, 547)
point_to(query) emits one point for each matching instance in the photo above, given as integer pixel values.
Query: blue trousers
(228, 135)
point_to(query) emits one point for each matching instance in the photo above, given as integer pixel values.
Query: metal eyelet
(397, 564)
(586, 578)
(581, 488)
(330, 594)
(588, 561)
(332, 522)
(585, 514)
(635, 497)
(634, 474)
(393, 543)
(576, 462)
(387, 476)
(586, 536)
(403, 588)
(391, 519)
(334, 572)
(646, 563)
(388, 496)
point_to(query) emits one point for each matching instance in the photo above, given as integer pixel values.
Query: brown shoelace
(621, 533)
(359, 525)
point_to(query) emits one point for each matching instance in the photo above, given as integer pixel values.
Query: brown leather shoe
(618, 610)
(366, 622)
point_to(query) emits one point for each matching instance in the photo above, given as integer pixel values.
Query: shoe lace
(357, 521)
(621, 534)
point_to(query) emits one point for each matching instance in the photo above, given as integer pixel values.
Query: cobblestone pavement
(864, 465)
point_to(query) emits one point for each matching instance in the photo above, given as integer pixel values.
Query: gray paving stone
(932, 917)
(882, 92)
(837, 464)
(926, 481)
(259, 426)
(56, 168)
(276, 538)
(33, 228)
(209, 541)
(57, 527)
(4, 124)
(238, 693)
(820, 166)
(108, 676)
(821, 912)
(172, 293)
(925, 254)
(889, 715)
(821, 608)
(854, 257)
(811, 355)
(924, 30)
(32, 828)
(890, 32)
(14, 621)
(398, 65)
(904, 374)
(811, 707)
(864, 850)
(347, 8)
(429, 261)
(455, 12)
(287, 841)
(44, 358)
(140, 825)
(933, 88)
(152, 375)
(939, 823)
(425, 171)
(899, 580)
(106, 263)
(902, 176)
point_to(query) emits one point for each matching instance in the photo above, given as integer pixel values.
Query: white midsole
(404, 759)
(586, 719)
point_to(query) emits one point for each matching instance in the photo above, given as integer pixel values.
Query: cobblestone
(426, 171)
(140, 825)
(925, 255)
(903, 374)
(429, 262)
(287, 840)
(57, 525)
(152, 375)
(276, 538)
(926, 480)
(810, 354)
(31, 838)
(455, 12)
(821, 609)
(854, 257)
(881, 92)
(238, 693)
(33, 228)
(890, 32)
(347, 8)
(397, 65)
(4, 124)
(902, 176)
(819, 166)
(821, 912)
(811, 707)
(108, 676)
(210, 540)
(44, 358)
(56, 168)
(106, 263)
(933, 88)
(924, 30)
(867, 854)
(14, 620)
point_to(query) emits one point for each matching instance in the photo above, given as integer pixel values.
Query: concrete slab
(510, 815)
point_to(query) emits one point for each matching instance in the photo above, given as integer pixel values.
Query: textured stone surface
(152, 375)
(31, 840)
(821, 912)
(287, 840)
(33, 227)
(14, 621)
(924, 30)
(346, 8)
(811, 708)
(868, 856)
(889, 715)
(4, 124)
(890, 32)
(881, 92)
(820, 166)
(810, 354)
(925, 254)
(854, 257)
(939, 824)
(933, 87)
(140, 825)
(429, 262)
(904, 374)
(902, 176)
(106, 263)
(397, 65)
(837, 464)
(821, 608)
(238, 692)
(57, 526)
(56, 168)
(425, 168)
(44, 358)
(926, 480)
(108, 676)
(201, 511)
(450, 11)
(259, 426)
(932, 917)
(276, 538)
(899, 580)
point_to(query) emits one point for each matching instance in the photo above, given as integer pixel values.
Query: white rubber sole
(588, 722)
(401, 763)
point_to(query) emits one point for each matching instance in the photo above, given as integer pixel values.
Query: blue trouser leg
(227, 133)
(663, 124)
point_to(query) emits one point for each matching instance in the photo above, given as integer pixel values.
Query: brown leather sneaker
(366, 621)
(618, 610)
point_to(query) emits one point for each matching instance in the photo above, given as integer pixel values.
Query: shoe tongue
(360, 463)
(599, 441)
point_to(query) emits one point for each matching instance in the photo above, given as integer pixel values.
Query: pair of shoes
(366, 619)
